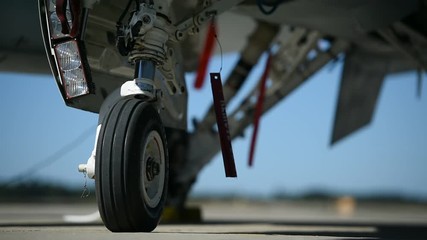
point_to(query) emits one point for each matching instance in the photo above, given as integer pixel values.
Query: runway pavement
(343, 219)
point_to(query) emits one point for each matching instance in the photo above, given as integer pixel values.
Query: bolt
(179, 35)
(159, 94)
(152, 169)
(146, 19)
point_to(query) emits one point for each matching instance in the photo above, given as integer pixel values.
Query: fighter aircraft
(126, 60)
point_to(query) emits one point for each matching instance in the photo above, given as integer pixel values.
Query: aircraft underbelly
(343, 18)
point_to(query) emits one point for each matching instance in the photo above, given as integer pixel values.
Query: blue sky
(293, 153)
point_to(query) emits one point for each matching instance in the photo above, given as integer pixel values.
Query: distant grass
(312, 195)
(367, 197)
(37, 191)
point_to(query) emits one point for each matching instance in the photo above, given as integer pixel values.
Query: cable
(220, 49)
(56, 156)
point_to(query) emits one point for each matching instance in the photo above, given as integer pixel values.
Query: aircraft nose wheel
(132, 167)
(153, 159)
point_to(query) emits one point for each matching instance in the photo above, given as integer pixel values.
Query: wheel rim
(152, 169)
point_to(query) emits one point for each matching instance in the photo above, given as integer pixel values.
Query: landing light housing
(66, 53)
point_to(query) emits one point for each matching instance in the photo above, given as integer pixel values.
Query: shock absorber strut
(144, 77)
(144, 39)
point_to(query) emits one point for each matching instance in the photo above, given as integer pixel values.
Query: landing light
(71, 69)
(70, 60)
(68, 55)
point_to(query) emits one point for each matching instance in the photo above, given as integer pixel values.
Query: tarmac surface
(341, 219)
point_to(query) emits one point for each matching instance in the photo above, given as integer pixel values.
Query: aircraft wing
(21, 43)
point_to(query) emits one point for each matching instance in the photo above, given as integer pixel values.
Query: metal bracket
(141, 22)
(191, 25)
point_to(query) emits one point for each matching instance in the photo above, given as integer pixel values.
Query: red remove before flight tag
(222, 123)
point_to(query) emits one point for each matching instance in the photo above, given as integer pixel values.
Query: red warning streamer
(206, 55)
(61, 12)
(259, 108)
(61, 9)
(76, 11)
(222, 123)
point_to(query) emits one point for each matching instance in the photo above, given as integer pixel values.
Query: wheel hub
(153, 172)
(153, 168)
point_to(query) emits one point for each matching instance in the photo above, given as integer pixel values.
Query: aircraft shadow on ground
(380, 231)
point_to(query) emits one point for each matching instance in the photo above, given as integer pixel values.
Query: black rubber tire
(119, 174)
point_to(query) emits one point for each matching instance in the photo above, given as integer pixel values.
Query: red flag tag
(222, 123)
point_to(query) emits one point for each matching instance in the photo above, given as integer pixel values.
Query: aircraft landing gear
(131, 157)
(131, 167)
